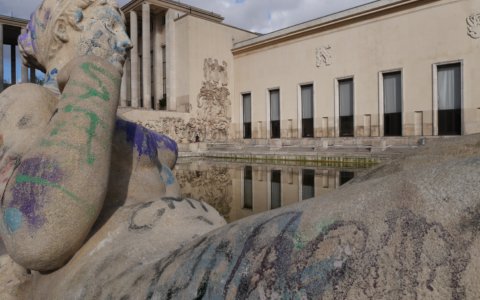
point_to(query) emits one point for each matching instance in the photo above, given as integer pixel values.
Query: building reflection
(239, 190)
(247, 188)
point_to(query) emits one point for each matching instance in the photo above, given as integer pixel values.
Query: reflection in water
(345, 176)
(308, 183)
(276, 189)
(238, 190)
(247, 188)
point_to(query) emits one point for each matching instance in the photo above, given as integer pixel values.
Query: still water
(241, 189)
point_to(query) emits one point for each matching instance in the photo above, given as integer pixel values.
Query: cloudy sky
(256, 15)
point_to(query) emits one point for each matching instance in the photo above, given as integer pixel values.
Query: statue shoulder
(27, 97)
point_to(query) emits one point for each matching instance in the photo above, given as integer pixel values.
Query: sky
(261, 16)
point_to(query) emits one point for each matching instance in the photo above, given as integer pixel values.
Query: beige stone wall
(411, 40)
(197, 40)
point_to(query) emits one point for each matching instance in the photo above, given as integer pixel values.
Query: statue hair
(38, 42)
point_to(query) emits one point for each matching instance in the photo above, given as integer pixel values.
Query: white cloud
(255, 15)
(270, 15)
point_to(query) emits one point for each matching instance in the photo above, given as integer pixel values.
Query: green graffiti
(55, 131)
(92, 92)
(300, 240)
(92, 72)
(50, 143)
(87, 67)
(89, 209)
(90, 130)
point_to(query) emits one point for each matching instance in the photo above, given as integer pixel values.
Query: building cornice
(169, 4)
(12, 21)
(339, 19)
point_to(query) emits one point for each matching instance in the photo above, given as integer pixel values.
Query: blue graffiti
(145, 141)
(13, 219)
(170, 177)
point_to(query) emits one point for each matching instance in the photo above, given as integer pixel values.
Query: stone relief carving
(214, 72)
(323, 56)
(211, 120)
(473, 28)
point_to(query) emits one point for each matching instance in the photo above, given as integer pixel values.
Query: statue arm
(57, 191)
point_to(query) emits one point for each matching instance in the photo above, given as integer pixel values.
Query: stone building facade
(385, 69)
(390, 71)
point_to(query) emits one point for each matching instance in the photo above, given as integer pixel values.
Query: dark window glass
(345, 90)
(247, 116)
(275, 114)
(307, 110)
(392, 97)
(449, 99)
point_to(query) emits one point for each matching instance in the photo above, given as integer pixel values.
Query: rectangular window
(247, 116)
(345, 94)
(392, 99)
(247, 188)
(276, 189)
(307, 110)
(275, 114)
(449, 85)
(308, 184)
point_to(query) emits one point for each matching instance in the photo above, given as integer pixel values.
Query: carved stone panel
(473, 26)
(323, 56)
(210, 121)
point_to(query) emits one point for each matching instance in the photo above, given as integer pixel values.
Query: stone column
(1, 57)
(123, 88)
(135, 78)
(170, 44)
(24, 73)
(146, 57)
(158, 61)
(13, 59)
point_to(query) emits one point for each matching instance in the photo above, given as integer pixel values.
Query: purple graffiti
(29, 191)
(146, 142)
(27, 40)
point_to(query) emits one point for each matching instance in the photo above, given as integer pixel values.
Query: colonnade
(143, 81)
(13, 63)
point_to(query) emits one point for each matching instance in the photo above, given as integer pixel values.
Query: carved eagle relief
(473, 28)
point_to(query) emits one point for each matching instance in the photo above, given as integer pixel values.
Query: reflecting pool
(241, 189)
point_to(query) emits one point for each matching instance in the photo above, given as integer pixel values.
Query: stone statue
(61, 143)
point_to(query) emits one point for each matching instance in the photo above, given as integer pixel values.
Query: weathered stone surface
(12, 276)
(406, 230)
(106, 267)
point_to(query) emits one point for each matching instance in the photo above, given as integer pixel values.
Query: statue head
(60, 30)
